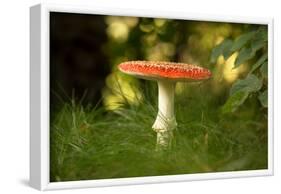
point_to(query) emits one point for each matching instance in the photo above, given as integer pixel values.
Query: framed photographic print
(124, 96)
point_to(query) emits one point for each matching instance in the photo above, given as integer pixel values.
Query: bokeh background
(101, 119)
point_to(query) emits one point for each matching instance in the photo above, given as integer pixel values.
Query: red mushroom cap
(165, 70)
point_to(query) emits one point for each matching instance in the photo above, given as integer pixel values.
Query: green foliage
(259, 62)
(264, 70)
(244, 55)
(224, 48)
(242, 40)
(234, 101)
(250, 84)
(92, 143)
(250, 46)
(240, 91)
(263, 98)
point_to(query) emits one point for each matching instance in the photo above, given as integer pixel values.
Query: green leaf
(257, 44)
(221, 49)
(244, 55)
(216, 52)
(259, 62)
(260, 40)
(264, 69)
(240, 92)
(262, 34)
(263, 98)
(226, 49)
(242, 40)
(250, 84)
(234, 101)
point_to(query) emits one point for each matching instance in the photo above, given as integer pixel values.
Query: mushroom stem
(165, 122)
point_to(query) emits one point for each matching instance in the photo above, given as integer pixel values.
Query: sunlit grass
(94, 143)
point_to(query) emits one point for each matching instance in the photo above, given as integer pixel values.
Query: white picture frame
(39, 102)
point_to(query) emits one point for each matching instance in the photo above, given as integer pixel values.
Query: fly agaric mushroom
(166, 74)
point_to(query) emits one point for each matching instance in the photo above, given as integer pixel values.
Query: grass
(92, 143)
